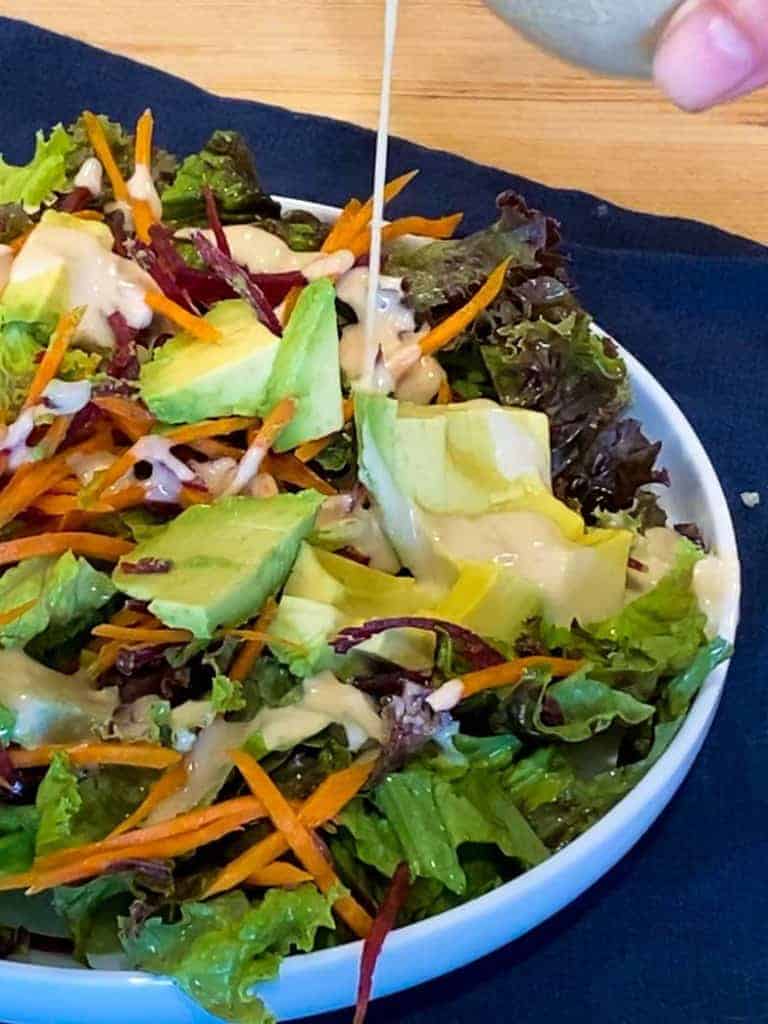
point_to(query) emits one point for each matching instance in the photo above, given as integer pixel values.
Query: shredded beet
(124, 363)
(72, 202)
(390, 684)
(83, 425)
(240, 280)
(131, 659)
(214, 221)
(638, 566)
(383, 924)
(476, 651)
(115, 221)
(180, 282)
(147, 566)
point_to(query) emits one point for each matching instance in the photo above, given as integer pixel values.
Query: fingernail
(704, 56)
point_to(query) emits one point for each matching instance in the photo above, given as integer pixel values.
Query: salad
(313, 623)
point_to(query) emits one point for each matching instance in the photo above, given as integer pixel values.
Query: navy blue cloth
(677, 933)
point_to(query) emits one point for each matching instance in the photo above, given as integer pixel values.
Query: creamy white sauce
(65, 398)
(447, 696)
(656, 551)
(325, 701)
(98, 279)
(716, 586)
(141, 186)
(6, 261)
(216, 474)
(332, 265)
(14, 441)
(90, 175)
(263, 485)
(186, 720)
(168, 472)
(258, 250)
(399, 366)
(247, 469)
(85, 467)
(534, 547)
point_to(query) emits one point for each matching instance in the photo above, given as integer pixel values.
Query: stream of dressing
(379, 179)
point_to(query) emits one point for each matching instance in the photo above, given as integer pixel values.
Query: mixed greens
(312, 624)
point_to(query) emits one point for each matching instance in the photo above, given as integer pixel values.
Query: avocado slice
(470, 483)
(39, 283)
(189, 380)
(226, 559)
(307, 369)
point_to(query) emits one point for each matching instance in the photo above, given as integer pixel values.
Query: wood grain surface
(463, 82)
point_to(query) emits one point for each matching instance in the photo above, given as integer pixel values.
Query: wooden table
(463, 82)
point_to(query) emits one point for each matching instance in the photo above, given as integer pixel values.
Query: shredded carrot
(274, 423)
(444, 393)
(92, 545)
(143, 145)
(362, 218)
(289, 302)
(194, 325)
(16, 613)
(69, 485)
(453, 325)
(333, 794)
(170, 782)
(194, 496)
(55, 434)
(122, 465)
(64, 504)
(140, 635)
(341, 227)
(300, 839)
(88, 215)
(160, 849)
(279, 874)
(17, 244)
(105, 659)
(126, 497)
(425, 227)
(209, 428)
(290, 470)
(311, 449)
(251, 650)
(217, 449)
(27, 484)
(143, 219)
(248, 808)
(58, 345)
(138, 755)
(129, 416)
(511, 672)
(103, 151)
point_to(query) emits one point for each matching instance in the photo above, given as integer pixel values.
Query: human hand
(713, 51)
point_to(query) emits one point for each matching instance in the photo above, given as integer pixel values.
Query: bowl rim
(653, 791)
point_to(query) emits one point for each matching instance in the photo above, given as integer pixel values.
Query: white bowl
(327, 980)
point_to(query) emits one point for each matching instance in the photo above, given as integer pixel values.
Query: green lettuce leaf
(32, 183)
(58, 803)
(74, 811)
(227, 694)
(18, 828)
(300, 230)
(665, 625)
(67, 592)
(681, 690)
(225, 164)
(588, 707)
(424, 816)
(220, 949)
(91, 911)
(19, 348)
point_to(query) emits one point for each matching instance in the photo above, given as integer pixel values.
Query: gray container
(616, 37)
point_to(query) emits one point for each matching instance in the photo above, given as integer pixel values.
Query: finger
(712, 51)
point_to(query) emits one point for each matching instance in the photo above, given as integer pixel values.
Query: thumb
(712, 51)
